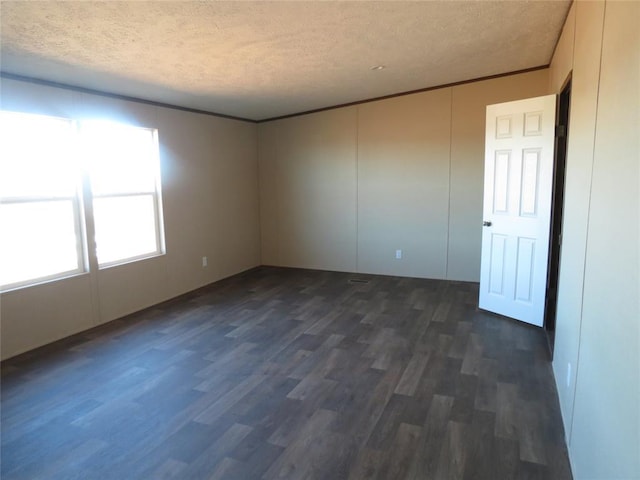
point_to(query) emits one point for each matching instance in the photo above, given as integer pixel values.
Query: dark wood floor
(283, 373)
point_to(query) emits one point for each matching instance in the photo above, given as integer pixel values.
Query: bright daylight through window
(46, 164)
(124, 170)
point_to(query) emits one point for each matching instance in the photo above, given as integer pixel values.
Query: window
(40, 204)
(124, 174)
(48, 166)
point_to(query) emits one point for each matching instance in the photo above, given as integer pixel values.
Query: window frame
(78, 211)
(82, 208)
(156, 195)
(80, 235)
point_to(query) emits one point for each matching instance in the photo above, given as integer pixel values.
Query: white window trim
(81, 251)
(156, 195)
(159, 251)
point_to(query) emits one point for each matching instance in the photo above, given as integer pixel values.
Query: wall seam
(446, 265)
(357, 186)
(259, 189)
(276, 168)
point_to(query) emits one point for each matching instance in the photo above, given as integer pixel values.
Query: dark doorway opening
(555, 239)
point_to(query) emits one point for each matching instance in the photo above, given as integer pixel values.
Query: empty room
(320, 240)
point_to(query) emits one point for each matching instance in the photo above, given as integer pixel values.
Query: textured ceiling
(260, 60)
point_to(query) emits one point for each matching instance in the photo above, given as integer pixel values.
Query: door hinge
(561, 131)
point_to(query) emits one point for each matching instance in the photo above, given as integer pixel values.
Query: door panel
(530, 183)
(519, 153)
(501, 182)
(496, 278)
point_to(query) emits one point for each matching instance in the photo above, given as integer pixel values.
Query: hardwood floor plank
(310, 387)
(293, 415)
(81, 453)
(226, 401)
(440, 315)
(532, 446)
(205, 465)
(453, 453)
(508, 411)
(224, 469)
(463, 407)
(367, 465)
(399, 409)
(486, 393)
(170, 468)
(400, 454)
(310, 363)
(506, 458)
(473, 355)
(427, 458)
(364, 402)
(295, 461)
(412, 374)
(480, 461)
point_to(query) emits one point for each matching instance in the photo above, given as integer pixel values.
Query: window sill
(129, 261)
(40, 283)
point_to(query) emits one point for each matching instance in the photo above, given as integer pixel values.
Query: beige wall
(210, 196)
(303, 190)
(344, 189)
(598, 331)
(403, 170)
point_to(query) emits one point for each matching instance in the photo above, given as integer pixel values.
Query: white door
(518, 179)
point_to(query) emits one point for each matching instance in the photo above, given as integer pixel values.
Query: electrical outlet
(204, 262)
(398, 254)
(568, 375)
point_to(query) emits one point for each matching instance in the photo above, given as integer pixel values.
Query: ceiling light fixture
(378, 67)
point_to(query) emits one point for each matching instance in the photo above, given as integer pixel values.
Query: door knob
(486, 224)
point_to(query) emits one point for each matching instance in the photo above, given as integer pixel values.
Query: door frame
(557, 210)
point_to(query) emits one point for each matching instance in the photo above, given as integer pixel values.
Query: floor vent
(358, 280)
